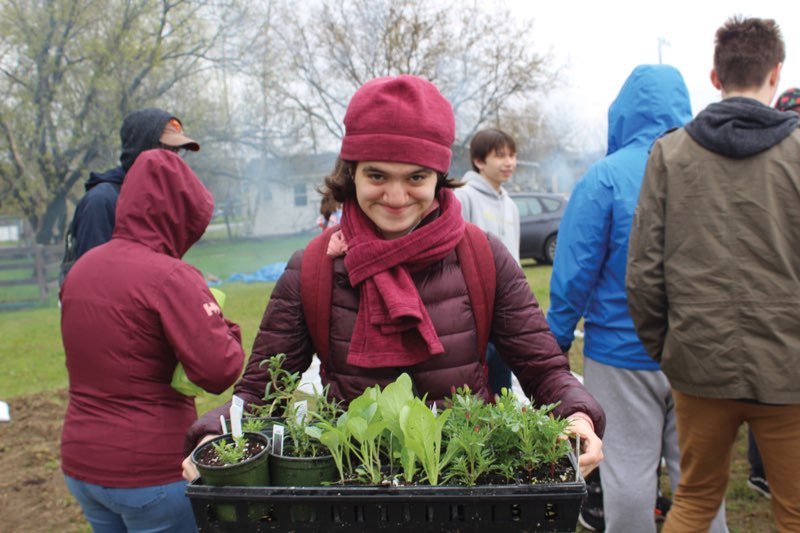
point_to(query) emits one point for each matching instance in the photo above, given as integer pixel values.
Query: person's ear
(775, 75)
(479, 164)
(715, 80)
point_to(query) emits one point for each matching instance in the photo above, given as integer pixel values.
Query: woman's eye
(375, 177)
(416, 178)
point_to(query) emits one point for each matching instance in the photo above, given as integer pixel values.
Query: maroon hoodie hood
(162, 204)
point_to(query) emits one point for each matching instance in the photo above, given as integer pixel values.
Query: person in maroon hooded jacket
(400, 302)
(131, 311)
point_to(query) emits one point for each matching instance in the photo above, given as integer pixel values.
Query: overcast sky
(599, 43)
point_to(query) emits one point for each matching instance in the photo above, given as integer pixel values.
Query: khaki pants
(707, 429)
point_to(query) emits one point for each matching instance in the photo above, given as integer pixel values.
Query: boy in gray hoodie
(484, 202)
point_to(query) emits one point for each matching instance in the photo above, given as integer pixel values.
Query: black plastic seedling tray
(415, 509)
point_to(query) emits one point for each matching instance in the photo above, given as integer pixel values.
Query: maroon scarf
(393, 327)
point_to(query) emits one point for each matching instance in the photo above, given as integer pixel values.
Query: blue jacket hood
(588, 278)
(653, 99)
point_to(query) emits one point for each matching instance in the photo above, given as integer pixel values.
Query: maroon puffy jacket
(131, 310)
(519, 331)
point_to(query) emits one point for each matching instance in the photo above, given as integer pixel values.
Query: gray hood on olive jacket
(740, 127)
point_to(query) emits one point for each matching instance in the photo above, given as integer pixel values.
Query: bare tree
(69, 72)
(480, 56)
(241, 110)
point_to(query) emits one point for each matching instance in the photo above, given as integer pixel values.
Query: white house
(287, 201)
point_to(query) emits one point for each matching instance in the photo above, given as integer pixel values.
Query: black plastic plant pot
(288, 471)
(253, 472)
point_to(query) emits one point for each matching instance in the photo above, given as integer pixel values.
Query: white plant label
(434, 410)
(222, 424)
(277, 439)
(237, 408)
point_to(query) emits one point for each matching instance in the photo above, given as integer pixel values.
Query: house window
(300, 195)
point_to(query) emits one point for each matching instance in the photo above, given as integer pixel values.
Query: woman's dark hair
(340, 184)
(328, 206)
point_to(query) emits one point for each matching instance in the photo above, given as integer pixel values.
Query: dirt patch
(33, 496)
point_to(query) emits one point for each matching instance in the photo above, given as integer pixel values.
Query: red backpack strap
(316, 290)
(477, 264)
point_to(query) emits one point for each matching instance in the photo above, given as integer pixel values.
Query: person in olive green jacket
(713, 277)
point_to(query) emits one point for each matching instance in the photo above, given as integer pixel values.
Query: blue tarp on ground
(270, 272)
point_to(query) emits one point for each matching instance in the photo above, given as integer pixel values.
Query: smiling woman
(397, 298)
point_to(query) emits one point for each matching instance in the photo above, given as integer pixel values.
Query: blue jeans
(156, 509)
(499, 373)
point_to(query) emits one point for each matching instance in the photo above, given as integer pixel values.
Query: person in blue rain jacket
(588, 281)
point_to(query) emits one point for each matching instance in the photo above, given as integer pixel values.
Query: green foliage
(422, 432)
(304, 422)
(279, 391)
(525, 437)
(391, 402)
(253, 425)
(468, 431)
(510, 438)
(72, 71)
(365, 425)
(335, 436)
(230, 452)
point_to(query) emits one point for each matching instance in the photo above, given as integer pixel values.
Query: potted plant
(301, 459)
(279, 391)
(234, 461)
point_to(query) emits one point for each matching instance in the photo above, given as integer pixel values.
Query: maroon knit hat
(404, 119)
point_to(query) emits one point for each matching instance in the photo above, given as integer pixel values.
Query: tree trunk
(48, 231)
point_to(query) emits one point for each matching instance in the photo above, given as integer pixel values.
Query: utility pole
(661, 43)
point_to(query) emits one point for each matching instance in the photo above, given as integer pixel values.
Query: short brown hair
(340, 185)
(487, 141)
(745, 49)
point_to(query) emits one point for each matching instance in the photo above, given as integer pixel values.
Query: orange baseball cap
(173, 136)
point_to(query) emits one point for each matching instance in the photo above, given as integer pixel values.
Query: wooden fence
(38, 264)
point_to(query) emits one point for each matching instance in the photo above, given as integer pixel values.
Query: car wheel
(550, 249)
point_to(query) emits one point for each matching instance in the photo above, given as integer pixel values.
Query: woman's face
(395, 196)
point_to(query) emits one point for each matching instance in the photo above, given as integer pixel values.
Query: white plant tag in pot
(277, 439)
(237, 408)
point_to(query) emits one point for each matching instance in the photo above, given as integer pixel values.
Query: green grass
(31, 352)
(223, 258)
